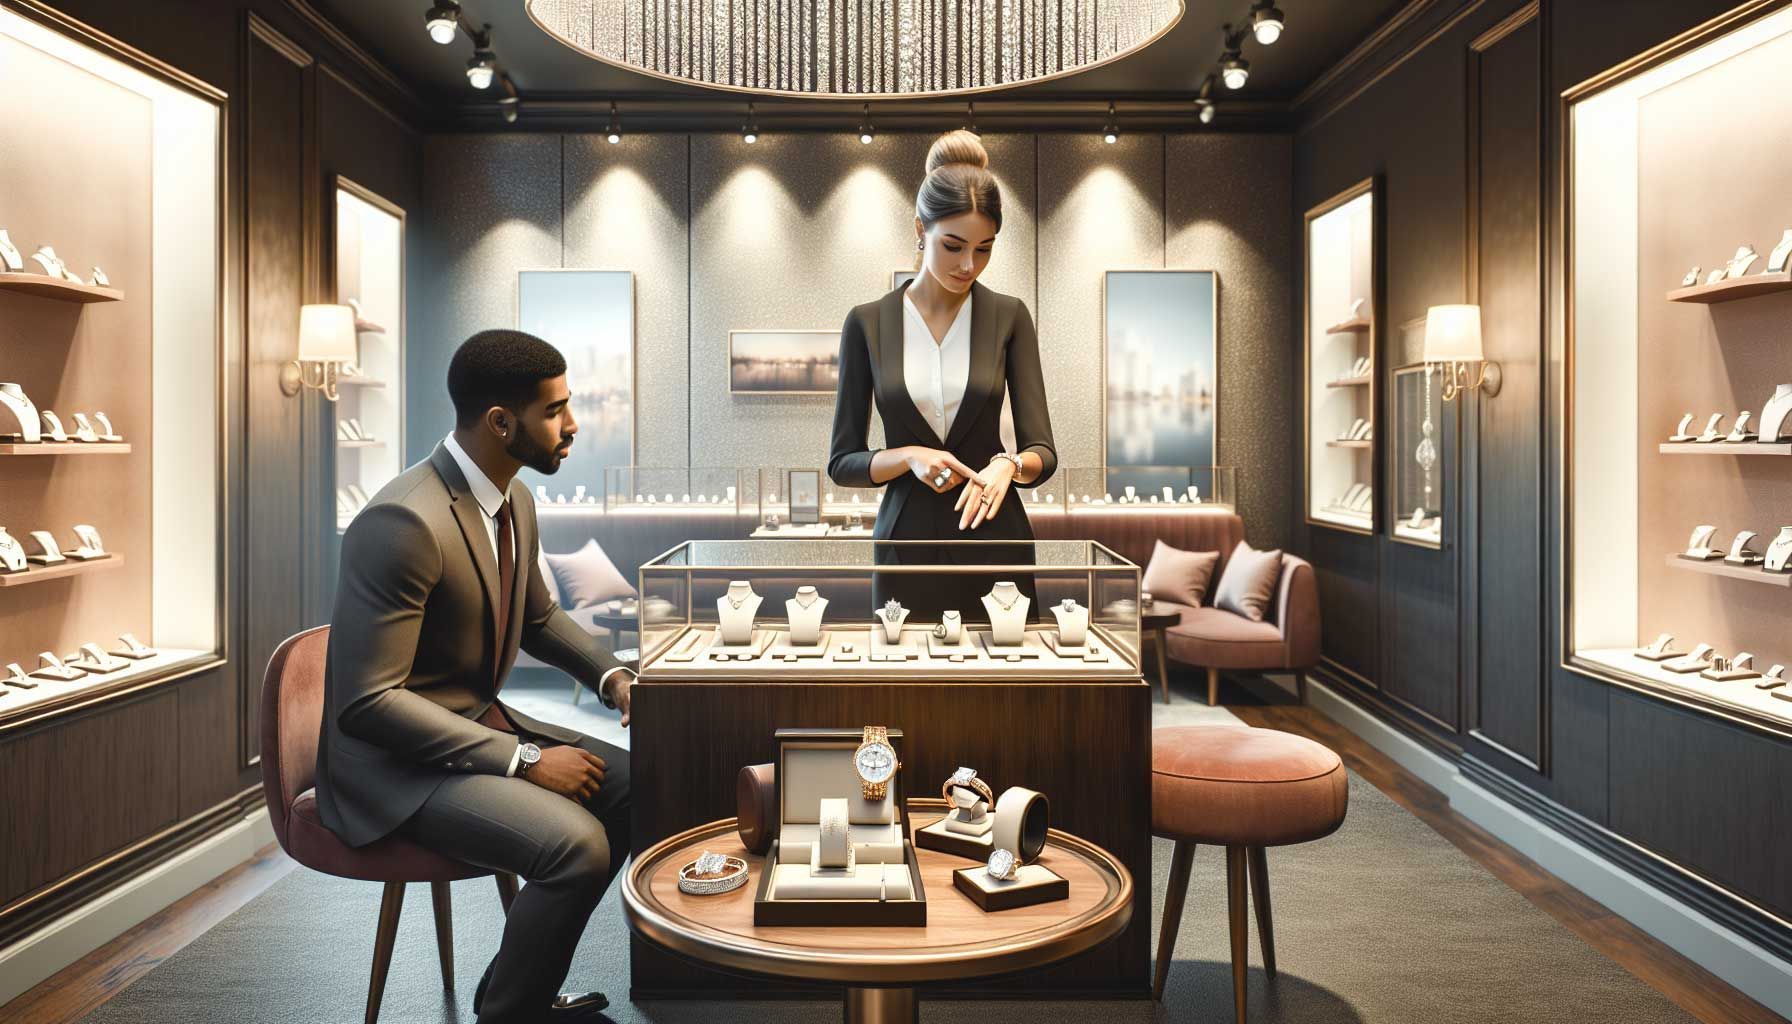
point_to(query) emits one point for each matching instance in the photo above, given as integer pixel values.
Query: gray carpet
(1384, 921)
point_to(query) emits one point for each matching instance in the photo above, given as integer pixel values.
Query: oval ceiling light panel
(857, 49)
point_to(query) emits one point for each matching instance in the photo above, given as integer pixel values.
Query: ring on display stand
(1001, 865)
(967, 777)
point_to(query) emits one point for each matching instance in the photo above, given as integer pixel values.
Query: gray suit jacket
(413, 659)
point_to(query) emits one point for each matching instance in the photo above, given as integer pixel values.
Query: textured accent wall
(796, 230)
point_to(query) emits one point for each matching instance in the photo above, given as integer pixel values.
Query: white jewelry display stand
(805, 611)
(970, 813)
(1073, 622)
(1691, 278)
(1715, 276)
(1022, 820)
(12, 553)
(1698, 661)
(1773, 414)
(1774, 679)
(1740, 432)
(1713, 429)
(735, 611)
(1745, 258)
(50, 553)
(1779, 551)
(133, 649)
(53, 427)
(1776, 260)
(890, 616)
(1680, 432)
(9, 254)
(107, 431)
(90, 546)
(1660, 650)
(23, 414)
(1740, 552)
(51, 667)
(84, 429)
(1724, 670)
(1007, 608)
(1699, 546)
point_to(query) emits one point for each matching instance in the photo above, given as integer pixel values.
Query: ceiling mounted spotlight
(613, 132)
(865, 130)
(749, 132)
(484, 63)
(507, 108)
(1206, 110)
(1110, 132)
(1267, 22)
(1234, 70)
(442, 21)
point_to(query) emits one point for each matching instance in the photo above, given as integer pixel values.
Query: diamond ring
(967, 777)
(1001, 865)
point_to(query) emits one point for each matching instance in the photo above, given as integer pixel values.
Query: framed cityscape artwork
(1160, 332)
(802, 362)
(589, 315)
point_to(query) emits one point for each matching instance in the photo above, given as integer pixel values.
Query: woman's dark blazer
(1004, 358)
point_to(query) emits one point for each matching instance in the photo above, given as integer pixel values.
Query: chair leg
(506, 889)
(1163, 672)
(1213, 687)
(443, 899)
(1266, 932)
(576, 687)
(1180, 865)
(1236, 898)
(390, 904)
(1300, 688)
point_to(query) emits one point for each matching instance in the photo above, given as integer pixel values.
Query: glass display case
(865, 610)
(1340, 361)
(653, 489)
(797, 502)
(1676, 537)
(112, 438)
(1416, 456)
(1153, 488)
(370, 405)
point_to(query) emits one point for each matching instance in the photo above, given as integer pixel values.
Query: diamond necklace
(1008, 606)
(732, 603)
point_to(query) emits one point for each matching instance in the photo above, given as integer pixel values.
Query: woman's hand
(983, 498)
(939, 470)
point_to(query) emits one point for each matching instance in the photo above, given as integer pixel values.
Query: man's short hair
(499, 367)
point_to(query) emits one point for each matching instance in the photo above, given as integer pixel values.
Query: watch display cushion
(587, 577)
(813, 773)
(871, 844)
(1249, 583)
(1180, 576)
(866, 882)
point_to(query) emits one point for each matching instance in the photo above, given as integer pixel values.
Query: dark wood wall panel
(277, 205)
(208, 749)
(1345, 569)
(76, 792)
(1506, 92)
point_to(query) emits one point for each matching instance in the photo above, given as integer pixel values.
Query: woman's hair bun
(958, 146)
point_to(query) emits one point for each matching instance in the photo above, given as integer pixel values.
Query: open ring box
(882, 885)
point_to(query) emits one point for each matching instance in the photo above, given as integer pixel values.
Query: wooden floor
(76, 990)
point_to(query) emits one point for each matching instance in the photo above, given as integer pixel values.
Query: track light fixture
(1267, 22)
(866, 132)
(749, 132)
(1206, 110)
(484, 62)
(1110, 132)
(442, 21)
(507, 108)
(613, 131)
(1234, 69)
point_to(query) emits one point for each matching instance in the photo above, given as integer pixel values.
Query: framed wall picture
(589, 315)
(800, 362)
(804, 488)
(1160, 333)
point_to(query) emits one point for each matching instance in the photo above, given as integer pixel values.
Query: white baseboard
(1753, 971)
(72, 936)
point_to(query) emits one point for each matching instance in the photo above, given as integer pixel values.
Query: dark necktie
(506, 580)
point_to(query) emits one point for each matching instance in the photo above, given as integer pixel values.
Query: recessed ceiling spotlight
(1267, 22)
(613, 132)
(442, 20)
(866, 132)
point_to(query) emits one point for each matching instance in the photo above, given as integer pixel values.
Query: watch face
(530, 753)
(876, 762)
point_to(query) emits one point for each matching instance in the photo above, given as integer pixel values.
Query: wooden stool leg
(1163, 672)
(390, 904)
(442, 898)
(506, 889)
(1213, 687)
(1266, 932)
(1236, 898)
(1180, 865)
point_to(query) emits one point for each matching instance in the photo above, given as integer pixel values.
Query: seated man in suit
(439, 586)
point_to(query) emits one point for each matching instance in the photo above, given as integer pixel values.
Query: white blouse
(936, 374)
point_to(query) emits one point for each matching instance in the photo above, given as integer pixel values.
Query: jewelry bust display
(1007, 608)
(1745, 258)
(23, 415)
(1073, 622)
(1779, 551)
(9, 254)
(736, 610)
(805, 612)
(891, 616)
(12, 553)
(1773, 414)
(951, 627)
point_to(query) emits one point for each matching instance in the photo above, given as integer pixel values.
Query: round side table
(1155, 623)
(879, 967)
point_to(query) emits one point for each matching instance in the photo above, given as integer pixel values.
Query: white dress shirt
(936, 373)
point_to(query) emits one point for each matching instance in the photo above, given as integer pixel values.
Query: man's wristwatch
(526, 756)
(875, 761)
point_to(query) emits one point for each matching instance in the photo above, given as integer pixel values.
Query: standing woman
(938, 354)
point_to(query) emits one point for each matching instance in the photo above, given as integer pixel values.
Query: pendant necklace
(1007, 606)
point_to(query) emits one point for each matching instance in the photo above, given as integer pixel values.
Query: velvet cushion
(587, 576)
(1249, 583)
(1232, 785)
(1213, 638)
(1179, 576)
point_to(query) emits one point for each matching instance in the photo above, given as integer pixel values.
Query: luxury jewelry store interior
(766, 511)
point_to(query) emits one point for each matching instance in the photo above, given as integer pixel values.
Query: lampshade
(327, 334)
(1453, 334)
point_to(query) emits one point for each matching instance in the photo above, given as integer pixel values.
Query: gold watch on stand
(875, 761)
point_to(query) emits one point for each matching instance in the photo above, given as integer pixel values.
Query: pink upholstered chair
(292, 702)
(1286, 640)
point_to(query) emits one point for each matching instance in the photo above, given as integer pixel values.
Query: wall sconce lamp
(1453, 341)
(326, 340)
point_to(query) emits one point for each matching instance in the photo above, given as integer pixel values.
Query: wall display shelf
(370, 255)
(45, 287)
(1416, 470)
(148, 350)
(649, 490)
(1340, 340)
(1747, 286)
(1191, 489)
(68, 448)
(1639, 356)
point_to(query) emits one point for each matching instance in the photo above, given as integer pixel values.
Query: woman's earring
(917, 243)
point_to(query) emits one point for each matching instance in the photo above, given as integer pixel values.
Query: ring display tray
(935, 836)
(1032, 884)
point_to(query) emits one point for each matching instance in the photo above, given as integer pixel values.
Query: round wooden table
(878, 966)
(1155, 623)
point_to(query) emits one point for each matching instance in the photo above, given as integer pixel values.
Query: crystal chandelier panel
(856, 48)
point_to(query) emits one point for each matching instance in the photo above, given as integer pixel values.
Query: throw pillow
(587, 576)
(1179, 576)
(1249, 583)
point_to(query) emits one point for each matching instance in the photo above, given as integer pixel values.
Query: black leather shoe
(568, 1008)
